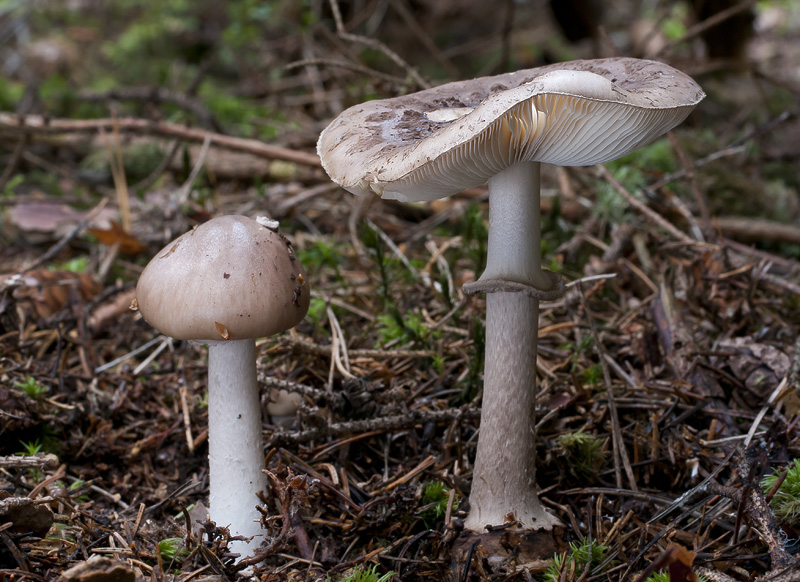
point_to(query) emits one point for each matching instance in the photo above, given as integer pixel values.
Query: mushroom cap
(230, 278)
(436, 142)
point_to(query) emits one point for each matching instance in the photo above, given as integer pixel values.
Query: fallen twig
(36, 125)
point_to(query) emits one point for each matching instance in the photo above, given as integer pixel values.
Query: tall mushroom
(433, 143)
(225, 283)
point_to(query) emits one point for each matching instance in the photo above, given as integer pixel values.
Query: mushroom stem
(235, 446)
(504, 476)
(514, 234)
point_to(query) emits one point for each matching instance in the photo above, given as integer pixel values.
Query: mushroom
(225, 283)
(436, 142)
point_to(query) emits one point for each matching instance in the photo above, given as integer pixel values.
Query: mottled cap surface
(230, 278)
(433, 143)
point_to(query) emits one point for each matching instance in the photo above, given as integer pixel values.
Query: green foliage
(11, 186)
(30, 449)
(74, 487)
(321, 254)
(611, 208)
(57, 95)
(578, 350)
(61, 531)
(436, 495)
(632, 171)
(593, 375)
(172, 549)
(786, 501)
(74, 265)
(385, 262)
(674, 25)
(48, 182)
(238, 113)
(583, 453)
(363, 573)
(404, 326)
(317, 309)
(580, 555)
(146, 47)
(659, 156)
(247, 20)
(139, 160)
(32, 388)
(10, 93)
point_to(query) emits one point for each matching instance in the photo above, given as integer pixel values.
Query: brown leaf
(39, 222)
(128, 243)
(222, 330)
(680, 564)
(46, 292)
(760, 367)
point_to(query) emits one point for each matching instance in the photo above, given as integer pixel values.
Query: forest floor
(669, 380)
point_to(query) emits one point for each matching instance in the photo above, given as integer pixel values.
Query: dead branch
(383, 424)
(35, 125)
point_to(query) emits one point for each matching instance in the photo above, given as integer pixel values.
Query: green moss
(786, 501)
(576, 560)
(584, 453)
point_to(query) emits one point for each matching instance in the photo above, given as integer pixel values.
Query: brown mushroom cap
(230, 278)
(433, 143)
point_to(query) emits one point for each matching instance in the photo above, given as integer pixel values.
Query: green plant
(74, 265)
(435, 496)
(786, 501)
(30, 449)
(11, 186)
(593, 375)
(397, 326)
(386, 263)
(363, 573)
(317, 309)
(583, 452)
(10, 94)
(588, 552)
(32, 388)
(577, 350)
(321, 254)
(172, 549)
(74, 489)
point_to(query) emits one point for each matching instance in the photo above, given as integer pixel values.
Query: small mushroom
(434, 143)
(225, 283)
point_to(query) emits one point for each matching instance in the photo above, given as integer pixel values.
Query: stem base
(235, 448)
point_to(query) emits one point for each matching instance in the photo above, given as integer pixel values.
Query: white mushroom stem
(504, 476)
(235, 449)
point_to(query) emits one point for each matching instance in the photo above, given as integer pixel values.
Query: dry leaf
(128, 243)
(680, 565)
(46, 292)
(40, 222)
(222, 330)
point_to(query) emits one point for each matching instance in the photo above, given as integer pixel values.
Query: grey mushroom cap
(231, 278)
(433, 143)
